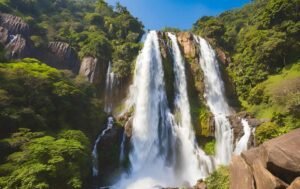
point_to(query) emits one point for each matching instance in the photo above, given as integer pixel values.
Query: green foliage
(209, 147)
(91, 27)
(218, 179)
(39, 97)
(171, 29)
(45, 118)
(266, 131)
(47, 162)
(262, 37)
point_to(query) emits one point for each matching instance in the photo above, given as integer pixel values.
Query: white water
(151, 122)
(164, 151)
(110, 123)
(195, 164)
(214, 95)
(109, 84)
(242, 144)
(122, 148)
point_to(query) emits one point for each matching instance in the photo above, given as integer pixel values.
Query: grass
(279, 88)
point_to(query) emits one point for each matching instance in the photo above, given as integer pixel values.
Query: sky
(157, 14)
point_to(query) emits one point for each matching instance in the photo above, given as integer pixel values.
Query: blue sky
(156, 14)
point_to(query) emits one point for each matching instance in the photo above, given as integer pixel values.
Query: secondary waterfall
(110, 123)
(214, 95)
(164, 152)
(109, 84)
(122, 148)
(242, 144)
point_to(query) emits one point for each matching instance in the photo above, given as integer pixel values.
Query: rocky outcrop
(61, 56)
(15, 25)
(14, 34)
(186, 40)
(237, 127)
(93, 70)
(18, 47)
(191, 53)
(109, 153)
(274, 165)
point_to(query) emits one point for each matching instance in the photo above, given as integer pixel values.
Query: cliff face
(60, 55)
(15, 25)
(14, 33)
(93, 69)
(273, 165)
(14, 36)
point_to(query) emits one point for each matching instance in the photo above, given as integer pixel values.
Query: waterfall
(195, 164)
(216, 101)
(242, 144)
(110, 123)
(109, 84)
(164, 152)
(122, 148)
(151, 132)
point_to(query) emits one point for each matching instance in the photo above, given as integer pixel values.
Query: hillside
(85, 104)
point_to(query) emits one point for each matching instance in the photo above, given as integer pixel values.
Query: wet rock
(128, 127)
(241, 175)
(109, 153)
(236, 125)
(14, 24)
(200, 185)
(93, 70)
(18, 47)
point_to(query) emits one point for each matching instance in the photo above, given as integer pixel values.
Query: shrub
(266, 131)
(218, 179)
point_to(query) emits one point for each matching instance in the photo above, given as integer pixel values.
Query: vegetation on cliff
(263, 40)
(46, 117)
(91, 27)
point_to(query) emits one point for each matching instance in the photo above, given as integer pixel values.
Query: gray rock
(14, 24)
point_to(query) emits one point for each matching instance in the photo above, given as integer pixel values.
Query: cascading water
(122, 148)
(164, 151)
(109, 84)
(195, 164)
(151, 132)
(242, 144)
(214, 95)
(110, 123)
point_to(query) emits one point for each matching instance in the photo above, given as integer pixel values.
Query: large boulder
(264, 179)
(241, 175)
(295, 184)
(274, 165)
(283, 156)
